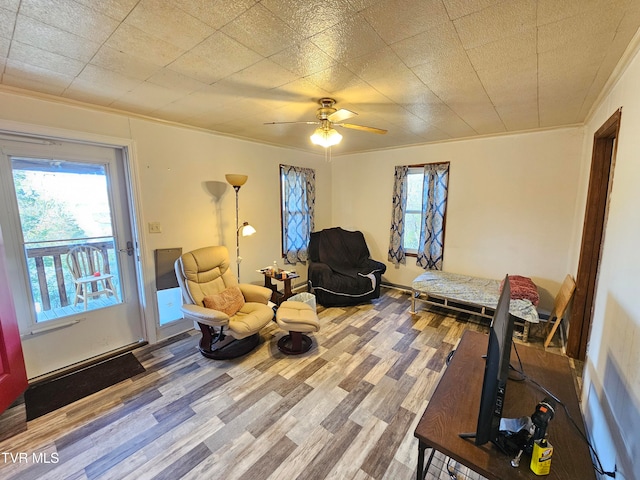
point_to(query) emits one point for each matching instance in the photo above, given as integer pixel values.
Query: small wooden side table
(278, 297)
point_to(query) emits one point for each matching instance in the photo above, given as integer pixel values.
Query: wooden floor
(345, 410)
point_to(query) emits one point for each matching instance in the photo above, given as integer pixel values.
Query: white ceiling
(425, 70)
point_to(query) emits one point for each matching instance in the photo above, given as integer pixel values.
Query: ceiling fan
(328, 117)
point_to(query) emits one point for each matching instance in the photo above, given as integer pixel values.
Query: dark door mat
(46, 397)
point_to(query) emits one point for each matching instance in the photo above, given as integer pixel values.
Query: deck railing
(58, 254)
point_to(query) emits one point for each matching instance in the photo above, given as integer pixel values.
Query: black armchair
(341, 271)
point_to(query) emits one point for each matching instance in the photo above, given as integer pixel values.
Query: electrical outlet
(155, 227)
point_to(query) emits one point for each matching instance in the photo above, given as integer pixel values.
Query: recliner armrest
(320, 268)
(376, 265)
(319, 272)
(255, 293)
(207, 316)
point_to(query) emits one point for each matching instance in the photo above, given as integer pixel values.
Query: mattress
(471, 290)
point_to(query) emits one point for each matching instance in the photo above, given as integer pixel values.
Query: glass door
(67, 236)
(72, 252)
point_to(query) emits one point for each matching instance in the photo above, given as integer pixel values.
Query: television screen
(496, 371)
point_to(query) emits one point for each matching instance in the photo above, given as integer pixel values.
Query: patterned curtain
(396, 247)
(434, 207)
(298, 205)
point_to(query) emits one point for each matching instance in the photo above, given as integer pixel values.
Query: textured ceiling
(425, 70)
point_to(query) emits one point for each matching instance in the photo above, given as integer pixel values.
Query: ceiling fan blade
(361, 127)
(340, 115)
(284, 123)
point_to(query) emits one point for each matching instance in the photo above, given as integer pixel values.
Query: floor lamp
(236, 181)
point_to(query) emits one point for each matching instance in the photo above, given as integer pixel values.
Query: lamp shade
(236, 180)
(247, 229)
(326, 137)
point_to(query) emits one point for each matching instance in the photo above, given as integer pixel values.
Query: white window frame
(417, 172)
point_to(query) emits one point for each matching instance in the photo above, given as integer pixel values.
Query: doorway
(600, 182)
(67, 208)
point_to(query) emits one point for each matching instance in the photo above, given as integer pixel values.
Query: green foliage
(42, 219)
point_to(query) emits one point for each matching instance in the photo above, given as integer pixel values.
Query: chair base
(229, 347)
(295, 343)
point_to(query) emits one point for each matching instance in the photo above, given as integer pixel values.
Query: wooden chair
(560, 307)
(86, 264)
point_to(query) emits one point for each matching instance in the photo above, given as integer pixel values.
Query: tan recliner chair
(229, 314)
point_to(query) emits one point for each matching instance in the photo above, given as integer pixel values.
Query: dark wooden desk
(453, 409)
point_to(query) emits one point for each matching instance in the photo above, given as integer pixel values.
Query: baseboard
(302, 287)
(86, 363)
(396, 286)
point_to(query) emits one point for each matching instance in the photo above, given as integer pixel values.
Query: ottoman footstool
(297, 318)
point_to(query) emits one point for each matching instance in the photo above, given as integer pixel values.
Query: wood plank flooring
(346, 409)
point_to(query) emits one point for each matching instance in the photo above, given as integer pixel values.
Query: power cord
(598, 464)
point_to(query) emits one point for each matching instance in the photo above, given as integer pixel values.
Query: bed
(474, 295)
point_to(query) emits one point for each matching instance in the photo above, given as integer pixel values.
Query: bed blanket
(472, 290)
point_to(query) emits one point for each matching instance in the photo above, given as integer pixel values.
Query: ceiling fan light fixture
(326, 137)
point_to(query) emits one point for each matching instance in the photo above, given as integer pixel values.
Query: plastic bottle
(541, 457)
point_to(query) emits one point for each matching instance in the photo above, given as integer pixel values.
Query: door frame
(132, 182)
(605, 146)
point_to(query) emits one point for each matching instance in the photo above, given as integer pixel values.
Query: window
(413, 211)
(419, 209)
(297, 193)
(62, 205)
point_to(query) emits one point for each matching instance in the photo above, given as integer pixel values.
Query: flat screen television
(496, 371)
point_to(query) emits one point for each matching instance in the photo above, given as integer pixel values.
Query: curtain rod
(430, 163)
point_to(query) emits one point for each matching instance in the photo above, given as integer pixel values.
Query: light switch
(155, 227)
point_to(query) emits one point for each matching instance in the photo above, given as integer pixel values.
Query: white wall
(183, 187)
(510, 208)
(177, 169)
(515, 206)
(611, 392)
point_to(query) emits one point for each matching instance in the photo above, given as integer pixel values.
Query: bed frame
(460, 306)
